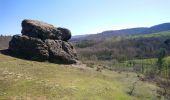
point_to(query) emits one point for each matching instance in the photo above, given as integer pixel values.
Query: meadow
(31, 80)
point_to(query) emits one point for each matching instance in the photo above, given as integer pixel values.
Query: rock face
(29, 47)
(37, 29)
(42, 41)
(61, 50)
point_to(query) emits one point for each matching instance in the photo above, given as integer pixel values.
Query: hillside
(122, 48)
(22, 79)
(125, 32)
(111, 33)
(158, 28)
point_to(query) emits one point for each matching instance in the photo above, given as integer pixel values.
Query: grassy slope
(21, 79)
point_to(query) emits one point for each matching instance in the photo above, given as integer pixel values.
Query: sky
(83, 16)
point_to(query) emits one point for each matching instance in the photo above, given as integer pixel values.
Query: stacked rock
(41, 41)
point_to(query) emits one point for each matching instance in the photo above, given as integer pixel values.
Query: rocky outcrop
(61, 51)
(42, 41)
(28, 47)
(37, 29)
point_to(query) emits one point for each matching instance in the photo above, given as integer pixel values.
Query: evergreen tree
(161, 55)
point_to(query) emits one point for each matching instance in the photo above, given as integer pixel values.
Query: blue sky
(83, 16)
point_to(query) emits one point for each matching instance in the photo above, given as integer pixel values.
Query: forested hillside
(123, 48)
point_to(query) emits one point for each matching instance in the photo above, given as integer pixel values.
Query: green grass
(22, 79)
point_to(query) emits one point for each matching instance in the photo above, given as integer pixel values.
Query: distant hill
(157, 28)
(125, 32)
(110, 33)
(79, 37)
(122, 32)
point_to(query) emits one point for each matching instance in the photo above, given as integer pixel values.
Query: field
(22, 79)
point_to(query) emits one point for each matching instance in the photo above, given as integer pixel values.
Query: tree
(161, 55)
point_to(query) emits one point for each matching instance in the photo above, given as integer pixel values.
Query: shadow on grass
(7, 52)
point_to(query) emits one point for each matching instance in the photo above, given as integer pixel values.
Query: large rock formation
(44, 31)
(61, 51)
(42, 41)
(28, 47)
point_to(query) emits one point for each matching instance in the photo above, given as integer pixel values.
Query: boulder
(66, 34)
(61, 51)
(29, 48)
(41, 41)
(42, 30)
